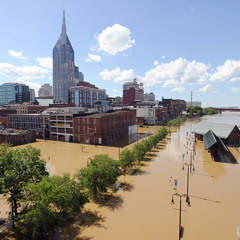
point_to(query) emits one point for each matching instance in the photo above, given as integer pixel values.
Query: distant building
(32, 94)
(174, 107)
(16, 136)
(132, 92)
(194, 104)
(34, 122)
(14, 93)
(85, 94)
(65, 73)
(149, 96)
(44, 101)
(20, 108)
(45, 90)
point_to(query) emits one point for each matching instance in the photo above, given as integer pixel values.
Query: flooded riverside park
(144, 210)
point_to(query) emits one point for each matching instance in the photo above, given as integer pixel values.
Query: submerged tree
(48, 203)
(101, 173)
(18, 167)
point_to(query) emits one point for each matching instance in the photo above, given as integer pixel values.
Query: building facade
(65, 73)
(35, 122)
(45, 90)
(84, 94)
(61, 127)
(104, 128)
(132, 92)
(14, 93)
(17, 137)
(32, 94)
(194, 104)
(149, 96)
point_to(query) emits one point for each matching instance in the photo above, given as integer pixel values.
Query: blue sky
(172, 46)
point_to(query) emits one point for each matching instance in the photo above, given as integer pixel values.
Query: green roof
(210, 139)
(221, 130)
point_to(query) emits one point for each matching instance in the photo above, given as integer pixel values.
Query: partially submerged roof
(221, 130)
(210, 139)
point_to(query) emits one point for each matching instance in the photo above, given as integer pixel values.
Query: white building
(45, 90)
(149, 96)
(194, 104)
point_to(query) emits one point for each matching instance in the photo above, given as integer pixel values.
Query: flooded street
(145, 211)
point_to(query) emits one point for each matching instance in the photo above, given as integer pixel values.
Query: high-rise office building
(65, 73)
(32, 94)
(45, 90)
(14, 93)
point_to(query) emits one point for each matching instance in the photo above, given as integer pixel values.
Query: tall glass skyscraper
(65, 73)
(14, 93)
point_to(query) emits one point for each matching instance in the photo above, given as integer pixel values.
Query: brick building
(104, 128)
(132, 92)
(174, 107)
(17, 137)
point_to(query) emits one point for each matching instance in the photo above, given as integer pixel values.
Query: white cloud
(230, 70)
(115, 90)
(235, 89)
(16, 54)
(236, 79)
(45, 62)
(117, 75)
(25, 72)
(178, 89)
(170, 83)
(163, 57)
(155, 63)
(115, 39)
(206, 88)
(92, 57)
(180, 69)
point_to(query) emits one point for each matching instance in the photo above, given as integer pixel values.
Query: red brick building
(104, 128)
(132, 92)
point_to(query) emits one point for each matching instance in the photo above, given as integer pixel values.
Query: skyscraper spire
(64, 29)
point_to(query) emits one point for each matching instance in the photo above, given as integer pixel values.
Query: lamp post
(189, 166)
(180, 211)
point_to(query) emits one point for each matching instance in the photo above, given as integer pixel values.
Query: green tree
(48, 203)
(100, 174)
(126, 158)
(17, 168)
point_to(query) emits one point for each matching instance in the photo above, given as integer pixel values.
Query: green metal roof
(210, 139)
(221, 130)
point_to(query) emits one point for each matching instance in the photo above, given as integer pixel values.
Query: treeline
(39, 203)
(202, 111)
(177, 121)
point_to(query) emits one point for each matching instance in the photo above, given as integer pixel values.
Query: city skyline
(172, 48)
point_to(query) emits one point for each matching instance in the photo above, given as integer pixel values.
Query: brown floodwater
(144, 211)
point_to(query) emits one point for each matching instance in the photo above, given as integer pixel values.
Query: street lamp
(180, 211)
(189, 167)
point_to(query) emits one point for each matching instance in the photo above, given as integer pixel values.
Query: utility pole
(191, 106)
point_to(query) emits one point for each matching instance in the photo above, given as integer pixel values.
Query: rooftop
(210, 139)
(221, 130)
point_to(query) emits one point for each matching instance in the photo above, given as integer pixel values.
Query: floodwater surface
(144, 211)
